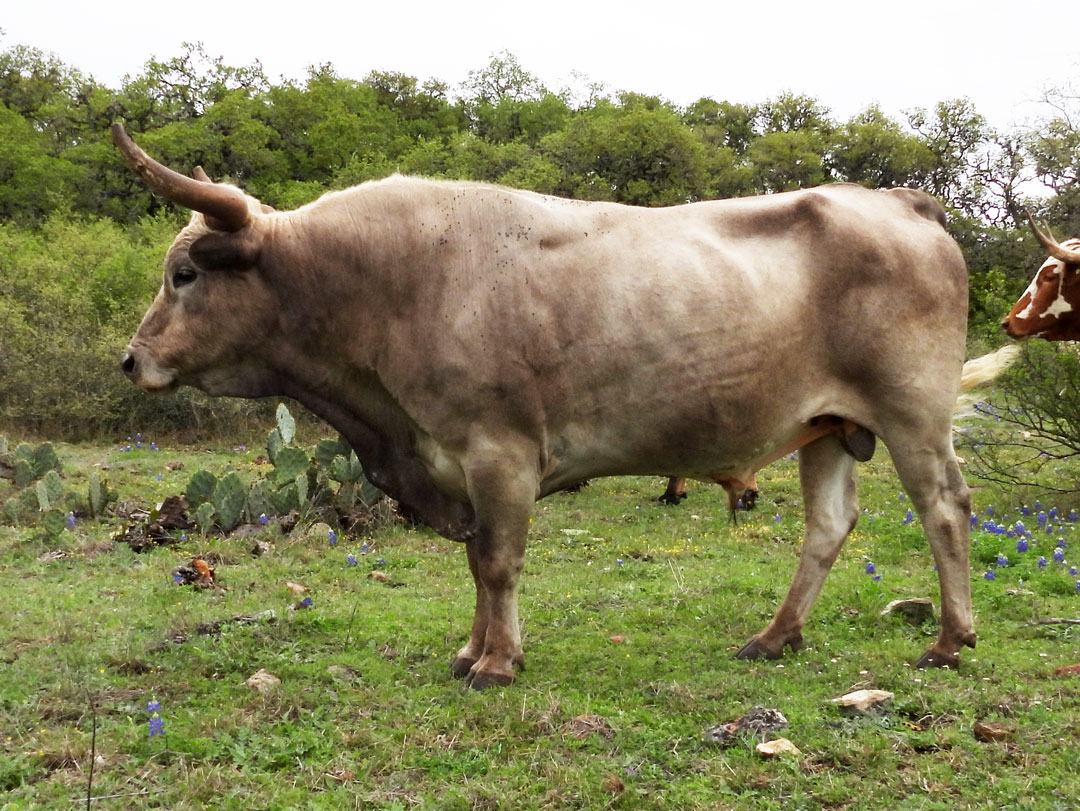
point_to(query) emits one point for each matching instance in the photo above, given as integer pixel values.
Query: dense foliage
(81, 239)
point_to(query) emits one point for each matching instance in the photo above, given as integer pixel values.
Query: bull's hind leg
(827, 474)
(503, 502)
(932, 479)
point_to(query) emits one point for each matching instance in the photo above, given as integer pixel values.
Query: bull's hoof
(671, 498)
(460, 667)
(482, 681)
(755, 650)
(933, 658)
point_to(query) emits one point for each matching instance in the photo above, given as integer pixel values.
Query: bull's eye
(183, 276)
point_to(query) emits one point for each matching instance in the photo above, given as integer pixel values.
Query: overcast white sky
(900, 54)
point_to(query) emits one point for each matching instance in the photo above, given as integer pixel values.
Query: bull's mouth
(147, 374)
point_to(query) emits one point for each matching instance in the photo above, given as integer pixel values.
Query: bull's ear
(226, 251)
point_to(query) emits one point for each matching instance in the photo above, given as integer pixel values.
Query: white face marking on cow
(1054, 267)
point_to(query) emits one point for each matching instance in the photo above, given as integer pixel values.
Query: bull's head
(208, 322)
(1050, 307)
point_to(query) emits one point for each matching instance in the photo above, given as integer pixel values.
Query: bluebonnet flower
(1042, 518)
(159, 477)
(1038, 505)
(1002, 560)
(153, 705)
(332, 537)
(1059, 555)
(989, 510)
(365, 548)
(776, 518)
(1072, 515)
(1072, 571)
(263, 519)
(178, 578)
(156, 726)
(908, 518)
(153, 446)
(1077, 585)
(1042, 562)
(138, 445)
(1019, 526)
(380, 561)
(307, 602)
(1060, 543)
(902, 496)
(619, 561)
(138, 437)
(989, 575)
(1025, 510)
(870, 567)
(1022, 545)
(70, 522)
(876, 578)
(974, 520)
(351, 560)
(1053, 513)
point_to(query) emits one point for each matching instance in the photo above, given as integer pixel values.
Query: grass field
(631, 614)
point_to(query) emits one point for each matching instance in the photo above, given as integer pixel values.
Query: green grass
(368, 716)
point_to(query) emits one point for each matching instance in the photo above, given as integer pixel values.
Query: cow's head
(210, 318)
(1050, 307)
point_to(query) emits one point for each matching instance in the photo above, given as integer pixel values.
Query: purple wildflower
(876, 578)
(153, 705)
(908, 518)
(989, 510)
(332, 537)
(1042, 562)
(351, 560)
(365, 548)
(989, 575)
(178, 578)
(1059, 555)
(263, 519)
(70, 522)
(1025, 510)
(776, 518)
(870, 567)
(1072, 571)
(380, 561)
(619, 561)
(1022, 545)
(156, 726)
(1002, 560)
(307, 602)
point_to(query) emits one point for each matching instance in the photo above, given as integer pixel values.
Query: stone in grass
(777, 746)
(343, 673)
(759, 722)
(263, 682)
(992, 732)
(862, 701)
(916, 611)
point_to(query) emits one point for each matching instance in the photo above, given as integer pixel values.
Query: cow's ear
(226, 251)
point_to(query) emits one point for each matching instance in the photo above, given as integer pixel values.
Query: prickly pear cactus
(49, 490)
(345, 498)
(98, 495)
(258, 502)
(200, 489)
(346, 469)
(369, 493)
(285, 500)
(45, 460)
(274, 444)
(327, 449)
(24, 473)
(290, 463)
(286, 424)
(229, 499)
(204, 517)
(53, 521)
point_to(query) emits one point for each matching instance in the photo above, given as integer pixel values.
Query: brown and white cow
(1050, 307)
(483, 347)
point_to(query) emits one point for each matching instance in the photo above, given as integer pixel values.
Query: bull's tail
(982, 370)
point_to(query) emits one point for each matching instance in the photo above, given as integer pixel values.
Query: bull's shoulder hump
(921, 203)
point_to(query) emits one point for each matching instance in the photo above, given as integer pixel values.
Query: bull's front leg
(503, 502)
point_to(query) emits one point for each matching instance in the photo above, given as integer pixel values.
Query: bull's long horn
(1051, 245)
(225, 207)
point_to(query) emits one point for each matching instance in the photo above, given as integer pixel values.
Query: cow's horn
(1051, 245)
(225, 207)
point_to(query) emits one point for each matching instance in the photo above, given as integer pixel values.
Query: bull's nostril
(128, 364)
